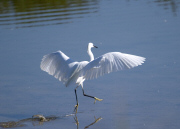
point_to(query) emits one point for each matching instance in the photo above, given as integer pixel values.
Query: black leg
(91, 96)
(76, 95)
(87, 95)
(76, 106)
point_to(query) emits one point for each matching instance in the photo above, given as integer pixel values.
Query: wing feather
(59, 65)
(110, 62)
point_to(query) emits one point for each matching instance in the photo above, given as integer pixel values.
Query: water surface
(143, 97)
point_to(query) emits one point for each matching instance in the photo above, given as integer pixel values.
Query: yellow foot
(97, 99)
(76, 108)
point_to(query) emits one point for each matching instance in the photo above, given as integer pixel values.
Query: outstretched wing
(58, 65)
(110, 62)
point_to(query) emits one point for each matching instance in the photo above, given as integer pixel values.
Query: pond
(143, 97)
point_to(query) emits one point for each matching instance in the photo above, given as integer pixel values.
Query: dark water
(141, 98)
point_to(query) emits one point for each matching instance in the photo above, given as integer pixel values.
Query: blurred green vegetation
(33, 12)
(16, 6)
(30, 5)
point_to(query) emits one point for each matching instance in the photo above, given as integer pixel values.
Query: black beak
(95, 46)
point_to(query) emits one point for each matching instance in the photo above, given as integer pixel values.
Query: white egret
(69, 72)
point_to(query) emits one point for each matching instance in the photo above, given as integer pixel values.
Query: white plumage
(69, 72)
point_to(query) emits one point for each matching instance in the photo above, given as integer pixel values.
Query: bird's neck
(90, 54)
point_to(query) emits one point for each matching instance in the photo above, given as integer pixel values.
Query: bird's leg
(91, 96)
(76, 106)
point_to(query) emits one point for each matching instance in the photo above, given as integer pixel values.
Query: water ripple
(43, 13)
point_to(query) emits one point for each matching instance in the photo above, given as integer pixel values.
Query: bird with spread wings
(70, 72)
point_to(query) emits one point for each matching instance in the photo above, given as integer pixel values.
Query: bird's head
(91, 45)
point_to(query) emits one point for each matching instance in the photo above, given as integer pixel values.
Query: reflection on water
(168, 4)
(95, 121)
(32, 13)
(35, 120)
(40, 119)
